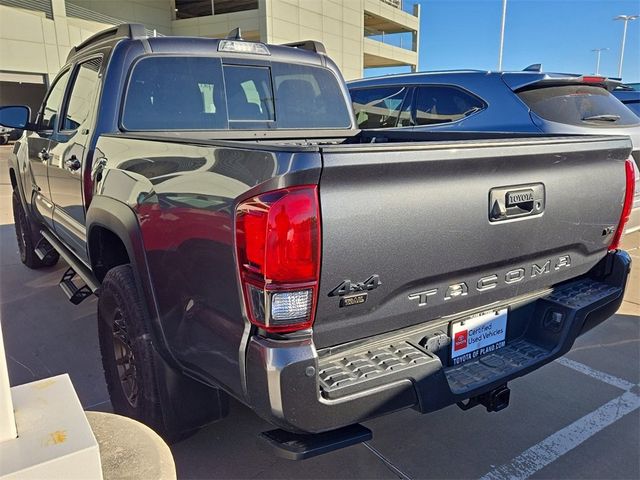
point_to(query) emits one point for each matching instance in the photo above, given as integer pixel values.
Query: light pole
(626, 19)
(598, 51)
(504, 17)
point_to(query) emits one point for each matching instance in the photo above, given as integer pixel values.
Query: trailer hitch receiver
(494, 400)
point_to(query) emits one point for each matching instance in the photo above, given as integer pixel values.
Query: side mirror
(16, 116)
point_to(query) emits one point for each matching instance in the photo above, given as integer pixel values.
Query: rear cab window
(249, 94)
(583, 105)
(202, 93)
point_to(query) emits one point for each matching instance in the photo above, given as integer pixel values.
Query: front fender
(18, 164)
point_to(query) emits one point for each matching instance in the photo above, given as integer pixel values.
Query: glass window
(308, 97)
(82, 94)
(51, 106)
(584, 105)
(193, 8)
(442, 104)
(634, 107)
(230, 6)
(189, 93)
(378, 107)
(249, 93)
(175, 93)
(202, 8)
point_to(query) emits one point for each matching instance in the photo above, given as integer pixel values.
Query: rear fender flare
(122, 221)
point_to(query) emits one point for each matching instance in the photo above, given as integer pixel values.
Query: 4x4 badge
(347, 286)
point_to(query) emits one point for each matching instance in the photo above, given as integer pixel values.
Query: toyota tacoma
(244, 239)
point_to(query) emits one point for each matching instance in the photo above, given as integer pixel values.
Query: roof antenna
(534, 67)
(235, 34)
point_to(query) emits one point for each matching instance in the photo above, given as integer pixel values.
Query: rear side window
(444, 104)
(583, 105)
(200, 93)
(379, 107)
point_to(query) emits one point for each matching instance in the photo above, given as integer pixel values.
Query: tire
(4, 140)
(24, 237)
(127, 354)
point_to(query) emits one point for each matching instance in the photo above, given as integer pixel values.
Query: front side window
(51, 106)
(443, 104)
(82, 95)
(378, 107)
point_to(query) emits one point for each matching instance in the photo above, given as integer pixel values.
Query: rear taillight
(278, 241)
(630, 172)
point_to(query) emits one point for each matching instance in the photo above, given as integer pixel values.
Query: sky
(560, 34)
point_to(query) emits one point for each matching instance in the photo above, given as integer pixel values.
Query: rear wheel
(127, 356)
(24, 238)
(141, 385)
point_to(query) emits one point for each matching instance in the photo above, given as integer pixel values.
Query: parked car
(245, 239)
(5, 134)
(482, 101)
(630, 96)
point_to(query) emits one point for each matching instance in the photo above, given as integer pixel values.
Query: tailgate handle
(516, 201)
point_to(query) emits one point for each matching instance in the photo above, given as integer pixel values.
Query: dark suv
(482, 101)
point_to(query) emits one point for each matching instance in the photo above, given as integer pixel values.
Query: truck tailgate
(419, 217)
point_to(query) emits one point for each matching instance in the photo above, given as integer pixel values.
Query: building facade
(36, 35)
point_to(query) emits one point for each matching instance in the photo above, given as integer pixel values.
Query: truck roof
(308, 51)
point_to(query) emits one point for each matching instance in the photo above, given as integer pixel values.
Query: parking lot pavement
(578, 417)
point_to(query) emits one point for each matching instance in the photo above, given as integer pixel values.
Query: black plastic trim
(121, 220)
(79, 267)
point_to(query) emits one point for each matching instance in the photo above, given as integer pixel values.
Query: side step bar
(44, 251)
(74, 294)
(297, 446)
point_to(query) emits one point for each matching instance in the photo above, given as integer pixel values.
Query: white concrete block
(54, 437)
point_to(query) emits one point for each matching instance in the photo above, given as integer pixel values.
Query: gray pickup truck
(244, 239)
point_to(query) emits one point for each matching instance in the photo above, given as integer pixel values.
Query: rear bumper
(299, 389)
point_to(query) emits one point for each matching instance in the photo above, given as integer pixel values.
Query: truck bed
(412, 210)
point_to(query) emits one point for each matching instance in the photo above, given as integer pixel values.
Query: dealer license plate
(477, 335)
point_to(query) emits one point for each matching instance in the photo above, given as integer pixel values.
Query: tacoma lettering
(489, 282)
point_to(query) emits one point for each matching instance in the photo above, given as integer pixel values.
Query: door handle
(44, 155)
(72, 163)
(516, 201)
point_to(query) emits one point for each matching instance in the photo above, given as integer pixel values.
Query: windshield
(201, 93)
(583, 105)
